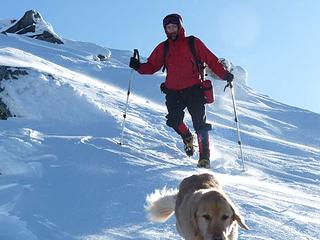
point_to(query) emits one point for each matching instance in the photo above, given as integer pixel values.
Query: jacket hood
(174, 18)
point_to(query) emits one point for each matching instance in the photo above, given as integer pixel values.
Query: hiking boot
(204, 161)
(204, 149)
(188, 145)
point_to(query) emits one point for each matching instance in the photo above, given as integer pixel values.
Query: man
(182, 84)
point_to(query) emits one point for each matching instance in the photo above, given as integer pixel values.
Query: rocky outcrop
(33, 25)
(101, 57)
(7, 73)
(4, 111)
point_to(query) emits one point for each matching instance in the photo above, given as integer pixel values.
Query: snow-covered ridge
(57, 67)
(65, 177)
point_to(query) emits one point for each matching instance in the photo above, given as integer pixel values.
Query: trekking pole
(135, 55)
(236, 120)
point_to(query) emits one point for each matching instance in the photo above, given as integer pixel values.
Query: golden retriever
(203, 211)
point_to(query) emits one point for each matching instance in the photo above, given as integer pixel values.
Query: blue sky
(277, 41)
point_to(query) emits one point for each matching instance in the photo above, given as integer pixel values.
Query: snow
(65, 177)
(4, 23)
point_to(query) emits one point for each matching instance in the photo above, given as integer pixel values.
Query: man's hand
(134, 63)
(228, 77)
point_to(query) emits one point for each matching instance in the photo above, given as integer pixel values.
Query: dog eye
(206, 217)
(225, 217)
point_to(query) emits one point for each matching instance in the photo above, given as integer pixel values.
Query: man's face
(172, 31)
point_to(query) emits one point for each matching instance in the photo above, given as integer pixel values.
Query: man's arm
(154, 63)
(212, 61)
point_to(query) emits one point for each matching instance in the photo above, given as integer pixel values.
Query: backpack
(191, 44)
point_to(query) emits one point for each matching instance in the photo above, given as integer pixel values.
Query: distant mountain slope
(31, 24)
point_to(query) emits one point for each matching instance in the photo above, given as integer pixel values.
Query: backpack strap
(192, 47)
(200, 65)
(165, 53)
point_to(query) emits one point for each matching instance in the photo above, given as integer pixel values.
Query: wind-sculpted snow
(65, 177)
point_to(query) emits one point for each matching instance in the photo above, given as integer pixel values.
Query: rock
(27, 21)
(6, 73)
(4, 111)
(33, 25)
(49, 37)
(102, 57)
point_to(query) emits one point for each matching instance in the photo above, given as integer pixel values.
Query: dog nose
(217, 238)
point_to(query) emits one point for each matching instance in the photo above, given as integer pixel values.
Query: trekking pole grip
(136, 54)
(229, 84)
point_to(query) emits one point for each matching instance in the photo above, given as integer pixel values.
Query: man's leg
(196, 108)
(176, 105)
(187, 138)
(204, 148)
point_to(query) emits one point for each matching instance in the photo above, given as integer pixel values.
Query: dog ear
(240, 220)
(236, 214)
(194, 222)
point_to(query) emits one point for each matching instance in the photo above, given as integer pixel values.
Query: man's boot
(204, 150)
(204, 160)
(183, 130)
(188, 144)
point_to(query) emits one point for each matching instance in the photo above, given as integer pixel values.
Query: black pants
(192, 99)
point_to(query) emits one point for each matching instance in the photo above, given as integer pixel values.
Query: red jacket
(182, 71)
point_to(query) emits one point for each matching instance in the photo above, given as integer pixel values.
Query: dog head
(215, 217)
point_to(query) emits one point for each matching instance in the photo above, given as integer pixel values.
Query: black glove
(134, 63)
(228, 77)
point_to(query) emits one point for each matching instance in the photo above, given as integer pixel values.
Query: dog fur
(202, 210)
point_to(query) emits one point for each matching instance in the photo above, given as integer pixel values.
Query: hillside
(65, 177)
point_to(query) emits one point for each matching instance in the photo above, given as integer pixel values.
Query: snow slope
(65, 177)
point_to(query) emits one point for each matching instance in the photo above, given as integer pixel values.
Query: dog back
(194, 183)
